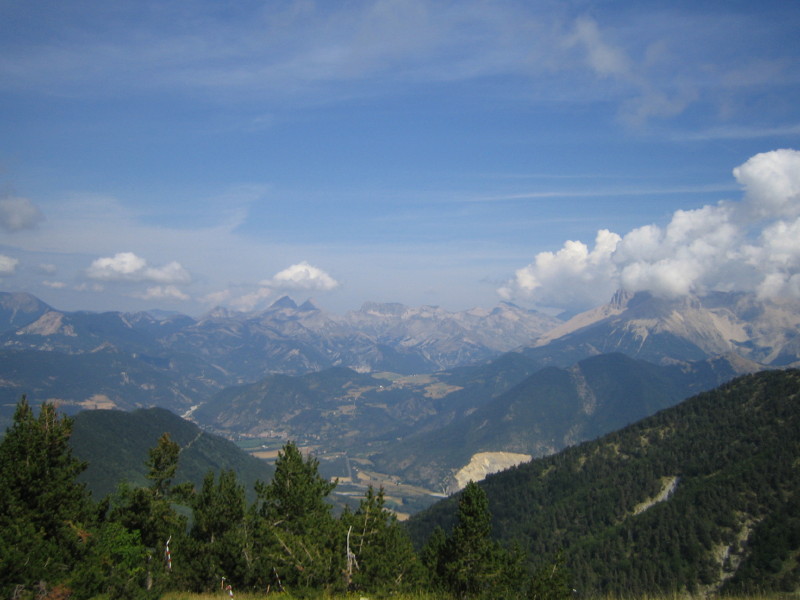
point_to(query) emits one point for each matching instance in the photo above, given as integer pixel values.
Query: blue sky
(187, 154)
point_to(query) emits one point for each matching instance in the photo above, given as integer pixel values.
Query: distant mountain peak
(283, 302)
(18, 309)
(620, 299)
(309, 306)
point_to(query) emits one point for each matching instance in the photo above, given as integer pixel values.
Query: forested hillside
(114, 445)
(547, 411)
(702, 496)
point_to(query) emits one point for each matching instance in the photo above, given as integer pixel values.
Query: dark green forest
(142, 541)
(727, 466)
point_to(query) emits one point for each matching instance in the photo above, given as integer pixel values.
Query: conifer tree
(551, 581)
(44, 513)
(217, 535)
(295, 537)
(381, 557)
(433, 558)
(471, 564)
(150, 510)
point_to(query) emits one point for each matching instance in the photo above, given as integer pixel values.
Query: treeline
(139, 542)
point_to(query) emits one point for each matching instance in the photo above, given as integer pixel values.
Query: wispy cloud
(734, 132)
(606, 193)
(651, 64)
(8, 265)
(18, 214)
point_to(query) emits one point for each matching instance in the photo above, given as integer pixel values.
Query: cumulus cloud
(302, 277)
(17, 214)
(571, 276)
(127, 266)
(8, 265)
(771, 181)
(752, 245)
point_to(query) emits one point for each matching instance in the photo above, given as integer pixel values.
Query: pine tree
(381, 557)
(150, 510)
(115, 565)
(294, 533)
(433, 558)
(217, 536)
(45, 514)
(551, 581)
(472, 565)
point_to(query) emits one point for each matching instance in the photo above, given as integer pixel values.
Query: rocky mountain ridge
(189, 360)
(662, 330)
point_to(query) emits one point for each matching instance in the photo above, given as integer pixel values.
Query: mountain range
(414, 393)
(659, 330)
(178, 361)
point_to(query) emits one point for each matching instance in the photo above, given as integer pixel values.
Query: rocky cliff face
(688, 328)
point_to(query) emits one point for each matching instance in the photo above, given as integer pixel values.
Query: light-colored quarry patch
(486, 463)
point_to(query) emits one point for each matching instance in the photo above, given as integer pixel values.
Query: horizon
(186, 156)
(295, 299)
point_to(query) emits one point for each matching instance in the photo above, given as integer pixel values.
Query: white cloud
(251, 301)
(572, 276)
(642, 94)
(162, 292)
(772, 183)
(751, 245)
(302, 277)
(8, 265)
(127, 266)
(56, 285)
(323, 51)
(216, 298)
(17, 214)
(604, 58)
(124, 265)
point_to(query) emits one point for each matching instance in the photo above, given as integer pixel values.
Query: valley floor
(355, 476)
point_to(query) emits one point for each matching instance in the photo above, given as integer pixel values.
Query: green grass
(222, 595)
(288, 596)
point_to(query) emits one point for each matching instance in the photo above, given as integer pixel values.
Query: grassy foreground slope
(700, 497)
